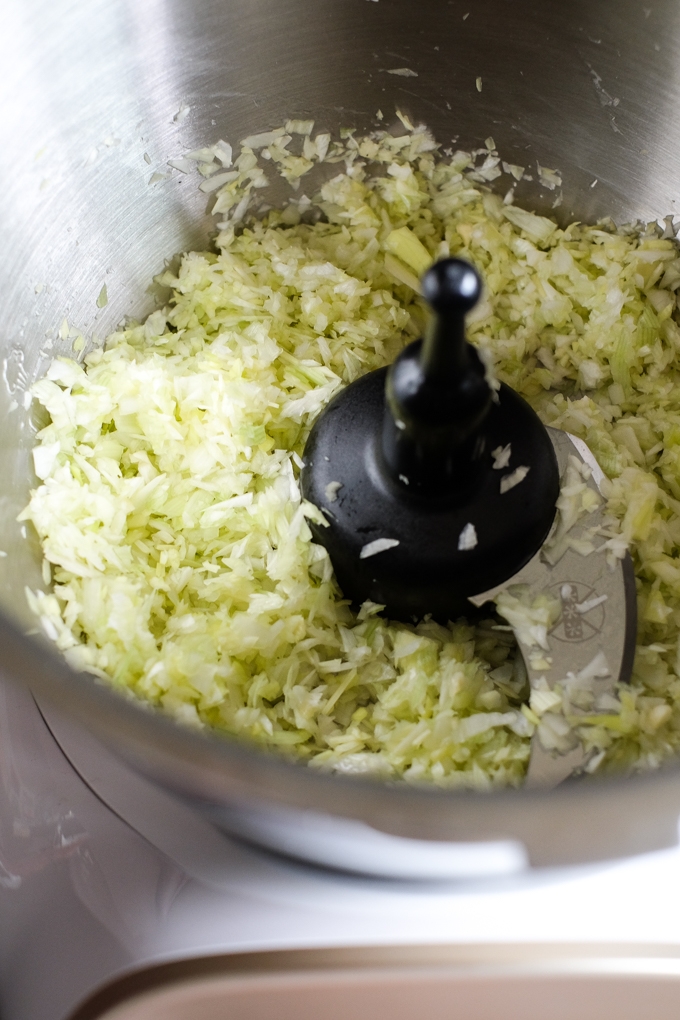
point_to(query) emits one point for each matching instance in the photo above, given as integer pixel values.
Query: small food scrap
(510, 481)
(514, 170)
(181, 114)
(296, 127)
(550, 179)
(575, 501)
(261, 140)
(478, 84)
(501, 457)
(103, 298)
(530, 618)
(184, 165)
(406, 120)
(403, 72)
(585, 607)
(467, 538)
(539, 660)
(410, 249)
(218, 181)
(377, 546)
(331, 491)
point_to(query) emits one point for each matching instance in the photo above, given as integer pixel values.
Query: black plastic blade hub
(426, 572)
(423, 509)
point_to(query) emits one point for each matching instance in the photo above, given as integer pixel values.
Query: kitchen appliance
(118, 879)
(95, 99)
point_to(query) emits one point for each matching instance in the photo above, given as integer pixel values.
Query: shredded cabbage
(169, 509)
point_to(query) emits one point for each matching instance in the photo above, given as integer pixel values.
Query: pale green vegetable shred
(169, 508)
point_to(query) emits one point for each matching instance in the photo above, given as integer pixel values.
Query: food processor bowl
(96, 97)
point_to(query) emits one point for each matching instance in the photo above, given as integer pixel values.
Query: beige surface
(569, 981)
(403, 996)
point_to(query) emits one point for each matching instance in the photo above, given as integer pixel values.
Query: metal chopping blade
(598, 617)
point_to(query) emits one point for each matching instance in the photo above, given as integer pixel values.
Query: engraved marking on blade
(574, 624)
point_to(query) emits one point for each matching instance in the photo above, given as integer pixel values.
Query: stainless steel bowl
(90, 110)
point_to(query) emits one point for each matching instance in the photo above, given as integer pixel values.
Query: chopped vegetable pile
(169, 509)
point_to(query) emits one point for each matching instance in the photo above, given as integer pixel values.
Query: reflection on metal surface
(336, 843)
(36, 826)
